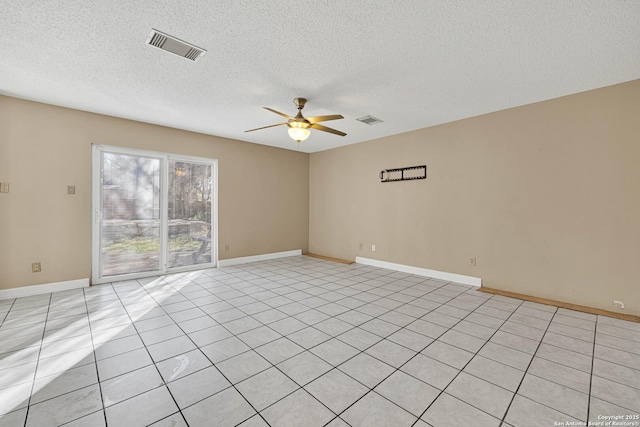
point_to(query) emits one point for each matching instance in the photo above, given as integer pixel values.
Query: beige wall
(546, 196)
(263, 191)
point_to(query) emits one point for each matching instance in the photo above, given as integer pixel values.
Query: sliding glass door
(153, 213)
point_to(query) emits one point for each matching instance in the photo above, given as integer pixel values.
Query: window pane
(189, 213)
(130, 227)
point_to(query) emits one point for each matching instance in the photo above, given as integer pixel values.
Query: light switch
(71, 189)
(4, 187)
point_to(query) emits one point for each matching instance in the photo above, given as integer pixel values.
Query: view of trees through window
(189, 213)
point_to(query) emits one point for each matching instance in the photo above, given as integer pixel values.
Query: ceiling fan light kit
(298, 133)
(299, 126)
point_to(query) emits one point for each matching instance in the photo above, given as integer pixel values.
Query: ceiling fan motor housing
(300, 102)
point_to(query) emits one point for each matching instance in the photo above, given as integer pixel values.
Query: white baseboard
(435, 274)
(27, 291)
(256, 258)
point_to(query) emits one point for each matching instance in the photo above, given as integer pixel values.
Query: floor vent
(176, 46)
(369, 120)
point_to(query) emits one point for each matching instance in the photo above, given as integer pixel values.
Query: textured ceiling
(412, 64)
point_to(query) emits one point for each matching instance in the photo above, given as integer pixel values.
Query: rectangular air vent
(176, 46)
(370, 120)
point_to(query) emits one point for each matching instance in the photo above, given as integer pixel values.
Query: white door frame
(96, 186)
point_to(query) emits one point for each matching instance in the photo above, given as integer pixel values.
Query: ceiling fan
(299, 125)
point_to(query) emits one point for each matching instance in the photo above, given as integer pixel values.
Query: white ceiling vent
(176, 46)
(369, 120)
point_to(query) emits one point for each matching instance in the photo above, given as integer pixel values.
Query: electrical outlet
(36, 267)
(71, 189)
(373, 248)
(472, 261)
(4, 187)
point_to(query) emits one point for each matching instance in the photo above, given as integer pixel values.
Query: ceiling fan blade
(326, 129)
(266, 127)
(317, 119)
(279, 113)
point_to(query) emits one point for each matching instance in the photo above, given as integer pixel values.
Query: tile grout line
(593, 357)
(7, 313)
(33, 384)
(95, 358)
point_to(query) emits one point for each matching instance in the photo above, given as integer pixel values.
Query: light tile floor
(306, 342)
